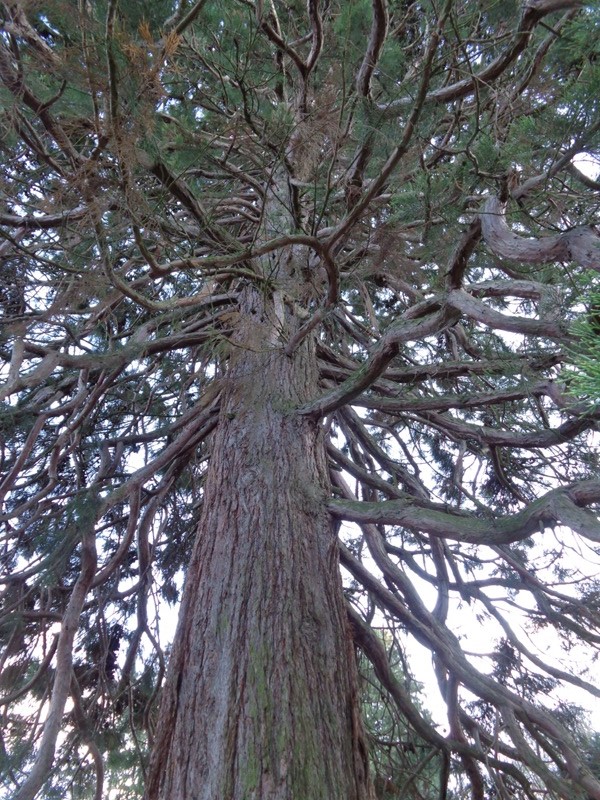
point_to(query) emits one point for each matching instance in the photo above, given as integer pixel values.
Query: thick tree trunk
(261, 697)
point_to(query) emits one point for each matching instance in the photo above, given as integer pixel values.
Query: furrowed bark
(261, 697)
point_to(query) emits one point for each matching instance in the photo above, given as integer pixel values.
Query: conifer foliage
(289, 295)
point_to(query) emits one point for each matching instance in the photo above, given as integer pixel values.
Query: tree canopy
(395, 189)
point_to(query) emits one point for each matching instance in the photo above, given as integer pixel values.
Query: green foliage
(404, 765)
(584, 378)
(352, 23)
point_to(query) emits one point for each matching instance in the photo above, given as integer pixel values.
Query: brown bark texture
(261, 697)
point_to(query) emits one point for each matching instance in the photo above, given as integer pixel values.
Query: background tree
(269, 269)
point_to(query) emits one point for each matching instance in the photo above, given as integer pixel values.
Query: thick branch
(468, 305)
(533, 12)
(375, 46)
(503, 438)
(45, 222)
(581, 245)
(400, 404)
(407, 330)
(556, 507)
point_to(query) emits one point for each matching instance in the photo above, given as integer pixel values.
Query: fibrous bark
(261, 697)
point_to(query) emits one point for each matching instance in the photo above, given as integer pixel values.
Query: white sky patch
(589, 164)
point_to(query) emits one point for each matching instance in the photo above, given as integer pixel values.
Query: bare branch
(555, 507)
(581, 245)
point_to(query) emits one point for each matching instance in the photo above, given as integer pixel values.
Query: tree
(284, 285)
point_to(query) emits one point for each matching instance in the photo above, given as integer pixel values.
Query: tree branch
(581, 245)
(556, 507)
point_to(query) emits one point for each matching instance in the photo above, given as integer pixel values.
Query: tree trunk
(261, 696)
